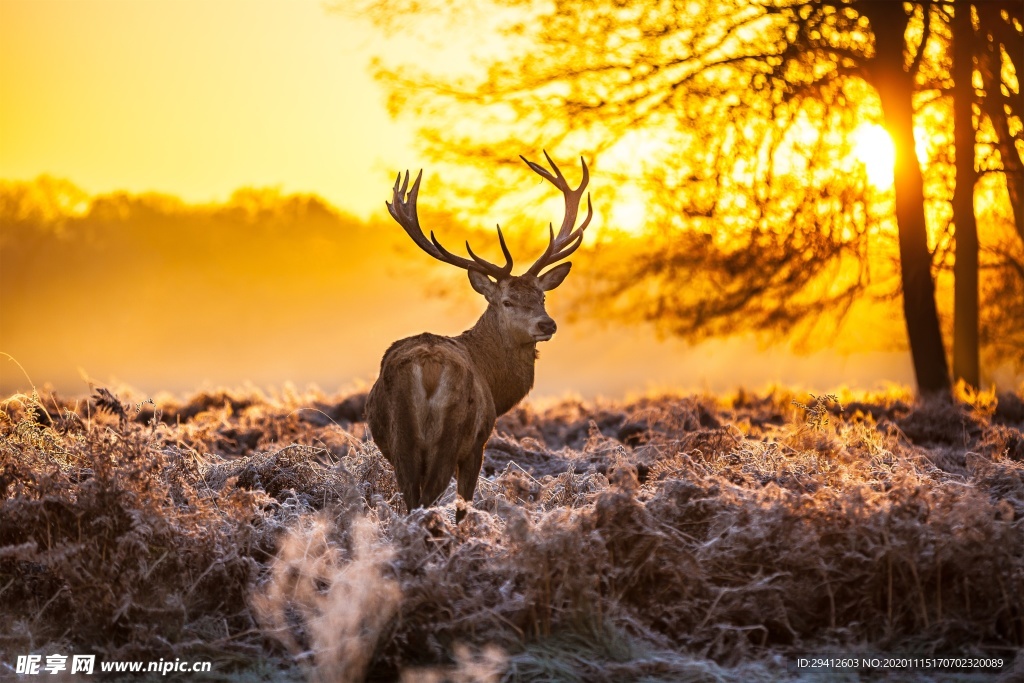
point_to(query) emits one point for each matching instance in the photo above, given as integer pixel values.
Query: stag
(437, 398)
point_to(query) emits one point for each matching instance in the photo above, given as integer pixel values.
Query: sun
(873, 147)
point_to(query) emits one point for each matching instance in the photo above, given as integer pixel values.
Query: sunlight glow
(629, 212)
(628, 159)
(873, 147)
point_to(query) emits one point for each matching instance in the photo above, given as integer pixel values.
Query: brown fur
(436, 400)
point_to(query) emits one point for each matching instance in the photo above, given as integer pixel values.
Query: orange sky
(197, 98)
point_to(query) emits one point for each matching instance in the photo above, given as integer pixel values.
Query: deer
(436, 399)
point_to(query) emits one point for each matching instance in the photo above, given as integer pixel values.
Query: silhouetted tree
(999, 58)
(758, 219)
(894, 82)
(985, 41)
(965, 303)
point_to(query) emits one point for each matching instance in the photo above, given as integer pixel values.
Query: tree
(965, 305)
(999, 111)
(894, 83)
(759, 216)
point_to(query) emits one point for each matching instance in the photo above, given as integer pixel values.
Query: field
(661, 538)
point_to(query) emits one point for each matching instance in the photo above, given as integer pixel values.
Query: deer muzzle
(545, 329)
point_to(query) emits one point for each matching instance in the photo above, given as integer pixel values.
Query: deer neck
(504, 364)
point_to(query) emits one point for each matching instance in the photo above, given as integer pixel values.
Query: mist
(147, 292)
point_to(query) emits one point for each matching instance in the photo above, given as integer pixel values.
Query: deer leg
(437, 478)
(407, 464)
(411, 495)
(467, 474)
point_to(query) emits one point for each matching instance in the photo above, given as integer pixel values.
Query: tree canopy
(734, 126)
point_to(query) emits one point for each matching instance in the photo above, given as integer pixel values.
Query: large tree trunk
(895, 88)
(965, 269)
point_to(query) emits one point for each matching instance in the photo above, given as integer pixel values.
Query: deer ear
(483, 284)
(554, 277)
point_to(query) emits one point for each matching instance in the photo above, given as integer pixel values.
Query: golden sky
(196, 98)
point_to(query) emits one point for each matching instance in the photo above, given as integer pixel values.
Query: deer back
(426, 410)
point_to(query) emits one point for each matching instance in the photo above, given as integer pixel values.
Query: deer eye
(508, 304)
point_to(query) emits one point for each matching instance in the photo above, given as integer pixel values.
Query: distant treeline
(128, 283)
(52, 230)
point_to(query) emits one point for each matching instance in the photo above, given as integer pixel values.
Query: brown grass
(664, 538)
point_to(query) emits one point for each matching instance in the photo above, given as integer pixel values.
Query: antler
(567, 240)
(403, 209)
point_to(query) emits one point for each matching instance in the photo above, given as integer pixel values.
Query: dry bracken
(665, 538)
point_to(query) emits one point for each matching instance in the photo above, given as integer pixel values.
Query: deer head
(515, 301)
